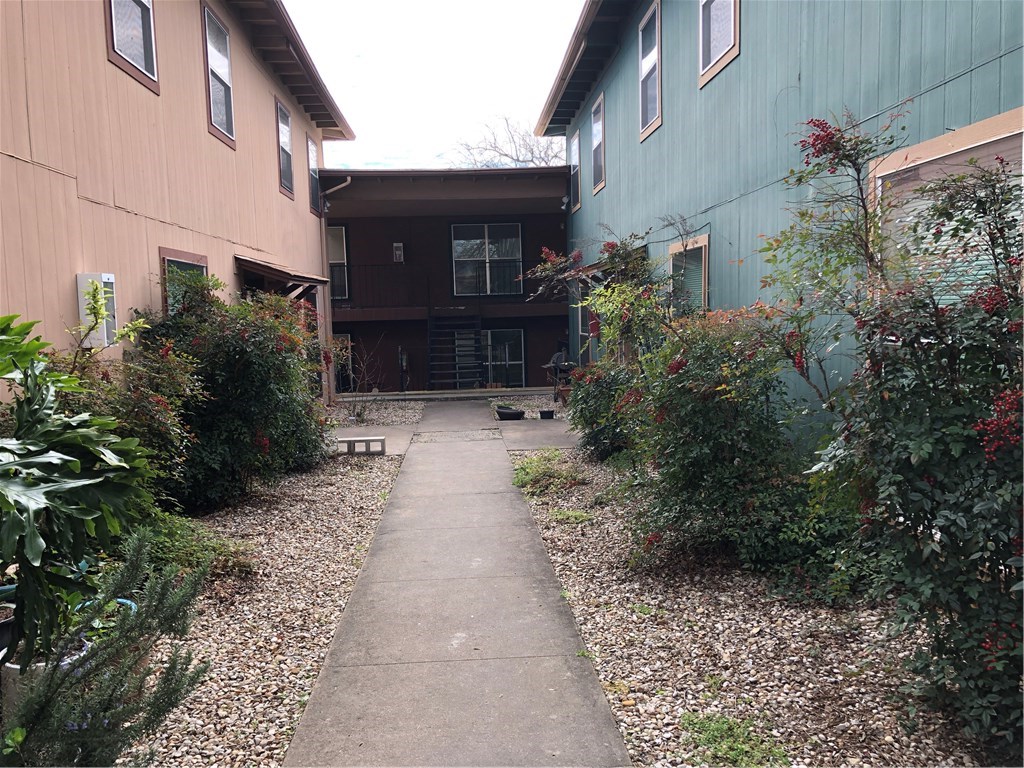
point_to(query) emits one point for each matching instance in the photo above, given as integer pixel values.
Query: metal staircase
(456, 353)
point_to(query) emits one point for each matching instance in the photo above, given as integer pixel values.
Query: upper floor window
(218, 65)
(131, 39)
(719, 36)
(597, 142)
(314, 174)
(487, 259)
(337, 257)
(284, 146)
(574, 172)
(650, 71)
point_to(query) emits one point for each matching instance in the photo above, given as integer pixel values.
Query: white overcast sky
(415, 77)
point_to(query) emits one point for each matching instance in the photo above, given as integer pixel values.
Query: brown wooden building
(134, 135)
(425, 269)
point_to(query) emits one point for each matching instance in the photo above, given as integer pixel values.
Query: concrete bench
(369, 444)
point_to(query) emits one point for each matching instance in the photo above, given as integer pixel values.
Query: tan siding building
(132, 131)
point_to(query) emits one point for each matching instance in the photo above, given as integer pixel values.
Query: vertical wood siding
(98, 172)
(721, 152)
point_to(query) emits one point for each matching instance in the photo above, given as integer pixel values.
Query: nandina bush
(595, 409)
(724, 475)
(932, 430)
(260, 415)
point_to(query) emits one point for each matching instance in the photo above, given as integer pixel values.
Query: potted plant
(507, 412)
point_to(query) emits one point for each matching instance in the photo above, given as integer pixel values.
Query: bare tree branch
(510, 144)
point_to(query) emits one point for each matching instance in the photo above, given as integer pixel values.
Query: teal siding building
(698, 103)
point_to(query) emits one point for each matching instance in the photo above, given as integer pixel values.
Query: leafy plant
(545, 472)
(67, 484)
(86, 707)
(722, 740)
(571, 516)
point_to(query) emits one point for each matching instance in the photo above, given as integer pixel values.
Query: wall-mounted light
(565, 202)
(398, 252)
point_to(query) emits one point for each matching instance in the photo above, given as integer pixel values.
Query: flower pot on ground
(508, 413)
(547, 413)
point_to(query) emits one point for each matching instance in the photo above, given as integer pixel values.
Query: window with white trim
(650, 71)
(337, 258)
(504, 357)
(105, 333)
(574, 172)
(487, 259)
(218, 62)
(597, 142)
(284, 146)
(719, 36)
(689, 275)
(131, 39)
(313, 155)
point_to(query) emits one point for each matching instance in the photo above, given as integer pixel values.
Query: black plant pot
(508, 414)
(547, 414)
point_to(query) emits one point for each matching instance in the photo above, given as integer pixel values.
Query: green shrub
(187, 544)
(259, 361)
(597, 390)
(88, 705)
(67, 486)
(722, 740)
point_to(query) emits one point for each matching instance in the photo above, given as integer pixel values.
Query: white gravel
(823, 683)
(373, 411)
(265, 638)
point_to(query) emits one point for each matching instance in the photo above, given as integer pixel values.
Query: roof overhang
(594, 42)
(291, 283)
(462, 192)
(273, 36)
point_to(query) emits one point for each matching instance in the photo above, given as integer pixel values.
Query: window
(131, 39)
(719, 31)
(337, 258)
(587, 324)
(344, 375)
(171, 261)
(574, 172)
(689, 275)
(487, 259)
(104, 334)
(597, 142)
(284, 145)
(503, 357)
(650, 71)
(314, 175)
(218, 71)
(898, 175)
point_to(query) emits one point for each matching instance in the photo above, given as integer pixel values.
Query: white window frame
(342, 258)
(708, 70)
(284, 147)
(148, 35)
(684, 247)
(209, 17)
(489, 363)
(575, 186)
(313, 157)
(653, 64)
(597, 144)
(487, 257)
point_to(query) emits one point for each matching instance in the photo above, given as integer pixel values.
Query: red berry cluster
(261, 442)
(1015, 326)
(328, 358)
(795, 345)
(991, 299)
(608, 247)
(659, 417)
(632, 397)
(824, 140)
(166, 350)
(652, 541)
(995, 642)
(1001, 430)
(677, 365)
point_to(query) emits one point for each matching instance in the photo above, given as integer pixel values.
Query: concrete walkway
(456, 647)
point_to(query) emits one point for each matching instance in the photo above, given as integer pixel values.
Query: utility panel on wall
(398, 249)
(103, 335)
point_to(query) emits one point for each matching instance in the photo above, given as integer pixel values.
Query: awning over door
(277, 279)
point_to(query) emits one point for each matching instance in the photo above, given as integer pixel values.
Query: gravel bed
(532, 404)
(821, 683)
(378, 413)
(266, 636)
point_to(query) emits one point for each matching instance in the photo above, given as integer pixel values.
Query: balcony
(407, 292)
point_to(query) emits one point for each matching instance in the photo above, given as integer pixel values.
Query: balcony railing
(376, 286)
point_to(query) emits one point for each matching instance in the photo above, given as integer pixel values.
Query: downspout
(326, 266)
